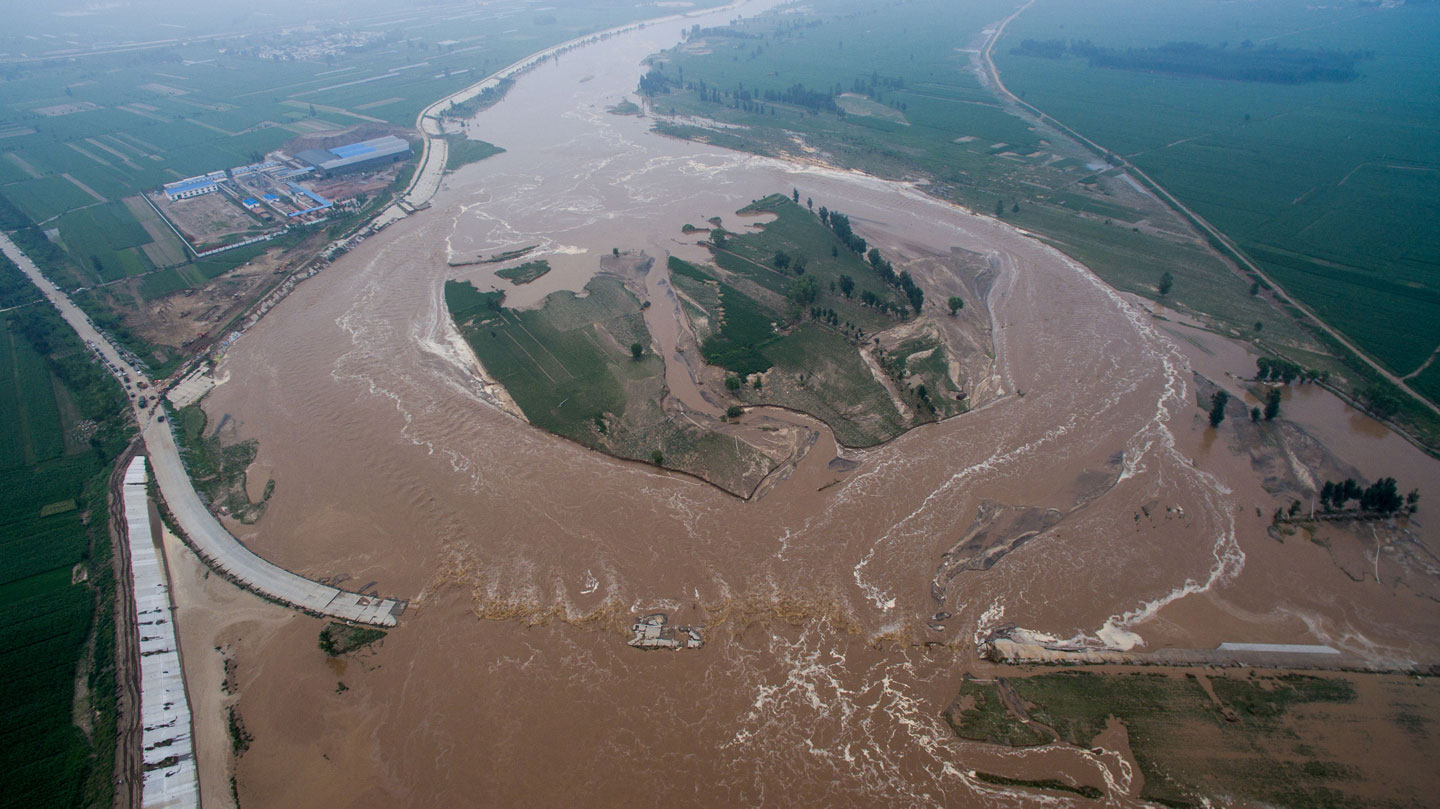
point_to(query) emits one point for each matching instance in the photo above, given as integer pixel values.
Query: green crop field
(570, 361)
(45, 760)
(1333, 188)
(28, 413)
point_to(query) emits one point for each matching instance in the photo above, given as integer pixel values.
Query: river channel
(525, 557)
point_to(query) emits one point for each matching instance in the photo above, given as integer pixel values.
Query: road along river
(1089, 502)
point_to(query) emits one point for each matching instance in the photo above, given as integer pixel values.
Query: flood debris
(654, 632)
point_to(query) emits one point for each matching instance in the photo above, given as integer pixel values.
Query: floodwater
(1114, 515)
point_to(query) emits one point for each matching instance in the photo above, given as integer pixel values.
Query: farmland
(62, 420)
(84, 137)
(1331, 188)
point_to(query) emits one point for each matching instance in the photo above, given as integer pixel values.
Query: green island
(524, 273)
(795, 313)
(462, 151)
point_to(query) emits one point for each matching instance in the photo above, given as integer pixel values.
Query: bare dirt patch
(206, 219)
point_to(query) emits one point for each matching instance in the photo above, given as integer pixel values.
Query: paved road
(217, 546)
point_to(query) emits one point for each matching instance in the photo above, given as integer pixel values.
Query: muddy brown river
(1087, 501)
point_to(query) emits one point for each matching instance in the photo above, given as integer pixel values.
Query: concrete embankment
(1247, 655)
(201, 529)
(167, 746)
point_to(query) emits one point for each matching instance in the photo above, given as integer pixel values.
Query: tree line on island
(1268, 64)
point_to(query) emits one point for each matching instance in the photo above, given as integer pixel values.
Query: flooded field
(1088, 501)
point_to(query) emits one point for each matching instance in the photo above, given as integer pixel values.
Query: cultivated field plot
(1333, 187)
(46, 592)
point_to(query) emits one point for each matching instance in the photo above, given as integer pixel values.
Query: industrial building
(362, 156)
(194, 186)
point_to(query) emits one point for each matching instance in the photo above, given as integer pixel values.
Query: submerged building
(363, 156)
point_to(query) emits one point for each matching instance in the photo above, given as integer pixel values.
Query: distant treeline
(1246, 62)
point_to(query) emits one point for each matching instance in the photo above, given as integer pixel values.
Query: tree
(1254, 414)
(1272, 404)
(637, 350)
(657, 457)
(1327, 493)
(802, 291)
(717, 237)
(1217, 407)
(732, 382)
(1382, 497)
(999, 208)
(810, 203)
(956, 303)
(734, 412)
(1255, 288)
(1167, 281)
(1015, 208)
(847, 285)
(781, 259)
(1381, 399)
(795, 195)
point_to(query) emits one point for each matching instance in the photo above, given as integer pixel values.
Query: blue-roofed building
(362, 156)
(191, 187)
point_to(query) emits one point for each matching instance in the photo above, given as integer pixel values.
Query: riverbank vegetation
(338, 639)
(218, 467)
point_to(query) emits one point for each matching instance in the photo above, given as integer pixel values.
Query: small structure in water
(654, 632)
